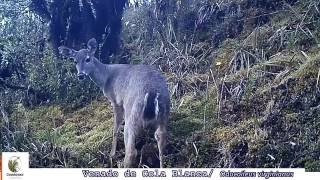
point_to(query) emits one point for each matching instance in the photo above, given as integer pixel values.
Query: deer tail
(151, 106)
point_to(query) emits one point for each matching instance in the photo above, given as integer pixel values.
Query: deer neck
(100, 74)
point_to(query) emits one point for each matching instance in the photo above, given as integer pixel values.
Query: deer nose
(81, 76)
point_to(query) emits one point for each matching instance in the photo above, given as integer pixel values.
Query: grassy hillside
(245, 92)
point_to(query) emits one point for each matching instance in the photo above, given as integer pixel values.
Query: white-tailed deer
(138, 93)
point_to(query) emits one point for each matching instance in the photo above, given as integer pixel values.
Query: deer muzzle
(81, 76)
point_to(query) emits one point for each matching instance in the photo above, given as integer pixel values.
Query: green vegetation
(12, 165)
(245, 86)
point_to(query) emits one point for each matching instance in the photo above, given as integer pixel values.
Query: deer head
(84, 58)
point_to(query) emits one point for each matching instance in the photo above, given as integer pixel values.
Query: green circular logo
(14, 164)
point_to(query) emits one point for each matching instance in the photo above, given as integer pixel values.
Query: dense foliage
(74, 22)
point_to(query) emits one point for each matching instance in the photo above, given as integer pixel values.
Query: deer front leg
(118, 117)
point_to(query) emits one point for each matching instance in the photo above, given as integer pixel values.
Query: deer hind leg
(118, 117)
(130, 149)
(161, 137)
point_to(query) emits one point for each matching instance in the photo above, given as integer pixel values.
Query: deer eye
(87, 59)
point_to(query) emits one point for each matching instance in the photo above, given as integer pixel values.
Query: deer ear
(92, 45)
(67, 52)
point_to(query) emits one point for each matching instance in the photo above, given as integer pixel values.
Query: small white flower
(271, 157)
(292, 143)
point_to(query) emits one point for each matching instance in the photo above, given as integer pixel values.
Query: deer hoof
(112, 153)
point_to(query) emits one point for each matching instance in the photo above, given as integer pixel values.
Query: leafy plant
(13, 165)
